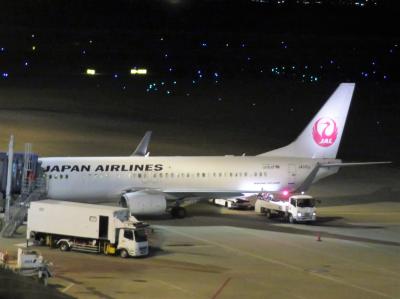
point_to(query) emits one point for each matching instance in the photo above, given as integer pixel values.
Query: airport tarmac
(221, 253)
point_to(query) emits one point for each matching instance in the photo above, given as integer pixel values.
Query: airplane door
(292, 173)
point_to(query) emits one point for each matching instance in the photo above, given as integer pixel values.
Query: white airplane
(145, 183)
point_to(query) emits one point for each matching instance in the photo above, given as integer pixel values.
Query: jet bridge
(27, 183)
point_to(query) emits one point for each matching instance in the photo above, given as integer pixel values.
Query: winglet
(141, 149)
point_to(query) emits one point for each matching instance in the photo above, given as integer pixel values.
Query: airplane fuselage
(95, 178)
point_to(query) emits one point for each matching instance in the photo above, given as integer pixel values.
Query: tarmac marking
(171, 285)
(220, 289)
(68, 287)
(324, 252)
(277, 262)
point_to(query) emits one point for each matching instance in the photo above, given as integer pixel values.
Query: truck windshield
(306, 202)
(140, 235)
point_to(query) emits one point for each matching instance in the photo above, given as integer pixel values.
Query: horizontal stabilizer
(353, 164)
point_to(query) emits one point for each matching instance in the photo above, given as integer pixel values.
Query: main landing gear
(178, 212)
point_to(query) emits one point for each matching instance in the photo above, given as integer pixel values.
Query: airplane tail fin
(321, 137)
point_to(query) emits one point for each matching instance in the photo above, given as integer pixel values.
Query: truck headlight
(299, 214)
(314, 214)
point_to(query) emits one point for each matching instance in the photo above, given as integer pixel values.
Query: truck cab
(132, 242)
(301, 208)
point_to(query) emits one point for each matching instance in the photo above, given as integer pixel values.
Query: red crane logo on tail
(325, 131)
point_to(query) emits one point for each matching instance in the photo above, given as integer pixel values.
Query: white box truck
(86, 227)
(298, 208)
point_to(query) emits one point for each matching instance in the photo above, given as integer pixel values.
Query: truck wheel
(64, 246)
(226, 204)
(268, 213)
(123, 253)
(291, 219)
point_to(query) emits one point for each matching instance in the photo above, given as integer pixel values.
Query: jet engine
(144, 203)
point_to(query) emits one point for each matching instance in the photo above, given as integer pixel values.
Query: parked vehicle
(233, 203)
(86, 227)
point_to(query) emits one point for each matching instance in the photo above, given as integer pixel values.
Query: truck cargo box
(75, 219)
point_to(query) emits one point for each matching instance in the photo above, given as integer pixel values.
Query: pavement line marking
(321, 252)
(277, 262)
(171, 285)
(68, 287)
(220, 289)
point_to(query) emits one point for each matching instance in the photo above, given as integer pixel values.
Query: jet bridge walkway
(18, 211)
(27, 183)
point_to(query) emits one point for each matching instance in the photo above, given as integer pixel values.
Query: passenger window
(245, 174)
(139, 175)
(50, 176)
(66, 176)
(255, 174)
(203, 174)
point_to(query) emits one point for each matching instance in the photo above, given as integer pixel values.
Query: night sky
(247, 65)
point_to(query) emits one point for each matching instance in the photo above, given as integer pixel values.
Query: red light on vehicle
(285, 192)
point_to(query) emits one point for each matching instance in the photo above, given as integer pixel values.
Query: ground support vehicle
(297, 208)
(233, 203)
(87, 227)
(29, 263)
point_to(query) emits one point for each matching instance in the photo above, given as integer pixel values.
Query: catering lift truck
(87, 227)
(297, 208)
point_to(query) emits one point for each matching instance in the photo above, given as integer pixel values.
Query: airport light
(91, 72)
(138, 71)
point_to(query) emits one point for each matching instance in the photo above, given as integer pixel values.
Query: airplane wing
(141, 149)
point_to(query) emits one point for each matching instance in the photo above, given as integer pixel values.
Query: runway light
(4, 75)
(33, 48)
(138, 71)
(91, 72)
